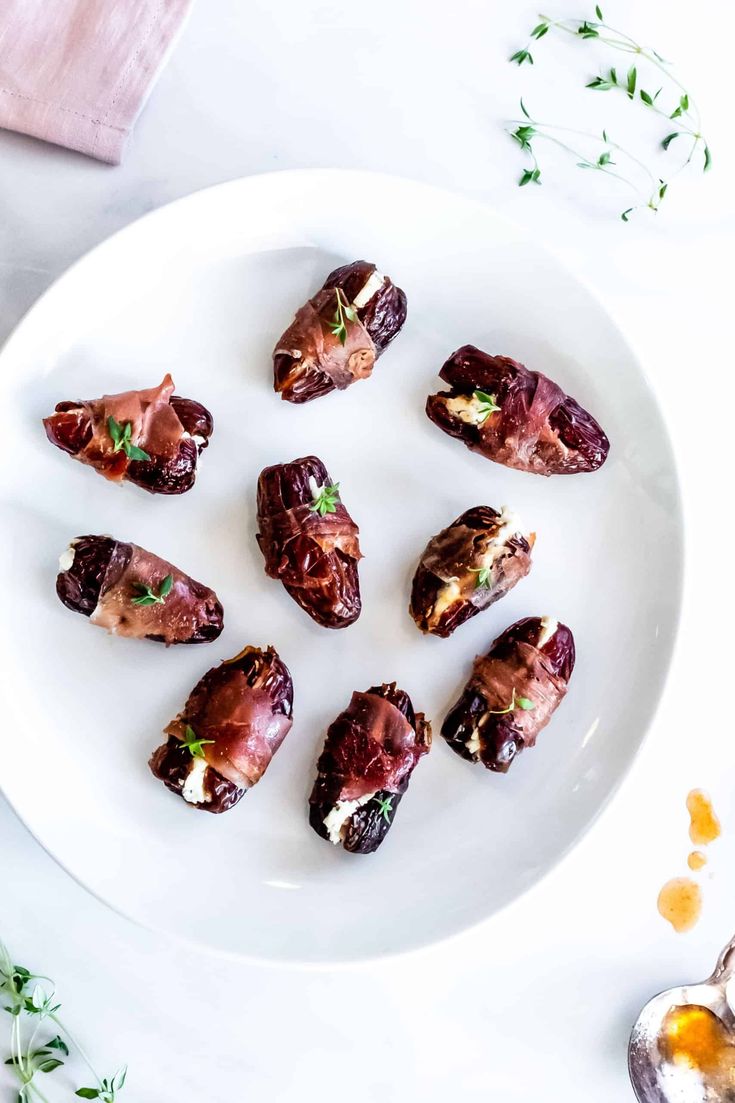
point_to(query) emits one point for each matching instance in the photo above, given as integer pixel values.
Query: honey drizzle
(680, 903)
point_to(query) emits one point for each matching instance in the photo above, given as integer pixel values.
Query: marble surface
(537, 1003)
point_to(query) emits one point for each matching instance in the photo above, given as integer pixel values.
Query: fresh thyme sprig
(148, 596)
(193, 744)
(685, 110)
(385, 805)
(528, 129)
(488, 404)
(343, 314)
(325, 498)
(35, 1010)
(483, 576)
(121, 435)
(523, 703)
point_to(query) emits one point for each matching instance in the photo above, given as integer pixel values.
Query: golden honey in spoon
(694, 1036)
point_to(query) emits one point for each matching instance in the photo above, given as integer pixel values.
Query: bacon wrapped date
(337, 336)
(152, 438)
(467, 567)
(515, 416)
(132, 592)
(369, 754)
(512, 693)
(309, 541)
(233, 723)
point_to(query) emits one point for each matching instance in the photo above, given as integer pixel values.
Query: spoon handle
(725, 962)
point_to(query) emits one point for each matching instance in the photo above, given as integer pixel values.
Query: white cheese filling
(473, 743)
(193, 790)
(66, 559)
(336, 820)
(509, 525)
(548, 628)
(470, 410)
(373, 285)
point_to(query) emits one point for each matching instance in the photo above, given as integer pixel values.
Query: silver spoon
(645, 1063)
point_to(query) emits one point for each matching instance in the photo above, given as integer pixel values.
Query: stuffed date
(152, 438)
(309, 541)
(369, 755)
(512, 693)
(337, 336)
(515, 416)
(132, 592)
(233, 723)
(467, 567)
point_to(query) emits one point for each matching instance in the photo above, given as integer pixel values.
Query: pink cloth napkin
(77, 72)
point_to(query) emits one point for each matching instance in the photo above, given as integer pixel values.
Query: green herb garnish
(488, 404)
(385, 805)
(325, 499)
(343, 314)
(634, 173)
(523, 703)
(483, 576)
(33, 1009)
(120, 435)
(192, 744)
(149, 597)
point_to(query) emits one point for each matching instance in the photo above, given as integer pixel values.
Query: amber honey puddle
(705, 826)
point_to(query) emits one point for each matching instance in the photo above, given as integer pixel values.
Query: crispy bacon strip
(314, 556)
(170, 430)
(238, 715)
(369, 755)
(467, 567)
(317, 355)
(512, 693)
(538, 428)
(106, 580)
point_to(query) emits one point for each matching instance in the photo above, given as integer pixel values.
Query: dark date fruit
(223, 740)
(467, 567)
(512, 693)
(313, 553)
(515, 416)
(339, 333)
(369, 755)
(107, 580)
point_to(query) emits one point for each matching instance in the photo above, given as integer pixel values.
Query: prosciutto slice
(536, 428)
(512, 693)
(369, 755)
(337, 336)
(170, 431)
(132, 592)
(467, 567)
(234, 721)
(314, 554)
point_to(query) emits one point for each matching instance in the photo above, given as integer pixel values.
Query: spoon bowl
(654, 1077)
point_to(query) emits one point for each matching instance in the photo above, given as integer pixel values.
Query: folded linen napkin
(77, 72)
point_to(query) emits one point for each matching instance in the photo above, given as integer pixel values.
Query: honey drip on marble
(694, 1037)
(680, 900)
(705, 826)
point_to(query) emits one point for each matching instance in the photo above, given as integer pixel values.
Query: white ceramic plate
(202, 289)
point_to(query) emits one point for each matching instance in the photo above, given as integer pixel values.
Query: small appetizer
(338, 335)
(512, 693)
(467, 567)
(309, 541)
(369, 755)
(132, 592)
(233, 723)
(517, 417)
(151, 438)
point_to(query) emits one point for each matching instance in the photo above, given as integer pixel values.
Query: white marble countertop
(537, 1003)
